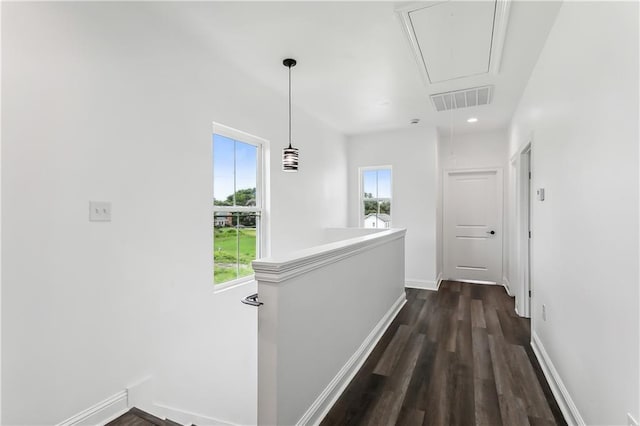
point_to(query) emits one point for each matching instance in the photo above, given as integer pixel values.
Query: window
(237, 204)
(375, 197)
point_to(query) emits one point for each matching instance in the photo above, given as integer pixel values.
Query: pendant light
(289, 154)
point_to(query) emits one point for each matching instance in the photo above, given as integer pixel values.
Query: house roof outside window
(382, 216)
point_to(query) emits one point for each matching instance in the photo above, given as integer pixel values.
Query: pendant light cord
(289, 106)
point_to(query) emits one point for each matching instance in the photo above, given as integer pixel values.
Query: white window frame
(361, 198)
(262, 230)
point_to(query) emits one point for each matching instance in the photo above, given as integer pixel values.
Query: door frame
(500, 177)
(524, 203)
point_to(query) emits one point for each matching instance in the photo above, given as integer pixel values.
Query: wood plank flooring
(137, 417)
(459, 356)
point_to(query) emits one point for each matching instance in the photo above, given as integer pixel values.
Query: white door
(472, 221)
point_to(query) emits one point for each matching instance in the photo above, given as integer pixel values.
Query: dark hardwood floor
(459, 356)
(137, 417)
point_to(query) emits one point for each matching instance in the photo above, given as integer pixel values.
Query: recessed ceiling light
(472, 120)
(415, 121)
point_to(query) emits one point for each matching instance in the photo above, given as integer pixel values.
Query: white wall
(478, 150)
(473, 150)
(332, 235)
(106, 101)
(580, 107)
(412, 155)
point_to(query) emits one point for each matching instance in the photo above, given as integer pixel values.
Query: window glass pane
(384, 183)
(377, 214)
(223, 168)
(235, 183)
(370, 221)
(246, 168)
(376, 198)
(385, 207)
(369, 189)
(225, 248)
(246, 243)
(234, 245)
(370, 206)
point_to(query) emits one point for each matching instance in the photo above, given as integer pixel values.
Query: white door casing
(529, 191)
(472, 210)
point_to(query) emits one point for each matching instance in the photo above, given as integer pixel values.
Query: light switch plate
(541, 194)
(99, 211)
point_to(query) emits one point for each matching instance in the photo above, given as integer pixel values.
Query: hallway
(143, 148)
(459, 356)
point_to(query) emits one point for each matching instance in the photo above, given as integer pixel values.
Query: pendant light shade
(289, 154)
(290, 159)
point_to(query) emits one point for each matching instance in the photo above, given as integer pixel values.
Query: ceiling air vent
(462, 98)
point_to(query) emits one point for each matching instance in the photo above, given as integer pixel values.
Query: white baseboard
(142, 395)
(507, 285)
(422, 284)
(186, 417)
(139, 395)
(100, 413)
(567, 406)
(328, 397)
(439, 280)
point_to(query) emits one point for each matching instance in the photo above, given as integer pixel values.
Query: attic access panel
(456, 39)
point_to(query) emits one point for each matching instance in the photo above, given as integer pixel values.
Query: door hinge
(529, 293)
(529, 234)
(529, 175)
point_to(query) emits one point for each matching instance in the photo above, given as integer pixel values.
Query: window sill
(241, 282)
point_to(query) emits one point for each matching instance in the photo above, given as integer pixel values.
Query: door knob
(252, 300)
(491, 232)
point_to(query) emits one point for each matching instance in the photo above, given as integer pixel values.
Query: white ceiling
(356, 71)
